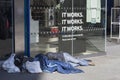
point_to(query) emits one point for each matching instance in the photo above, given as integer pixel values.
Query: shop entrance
(73, 26)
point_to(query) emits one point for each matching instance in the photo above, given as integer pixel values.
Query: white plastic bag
(9, 65)
(33, 67)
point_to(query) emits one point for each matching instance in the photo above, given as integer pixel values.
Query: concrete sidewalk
(107, 68)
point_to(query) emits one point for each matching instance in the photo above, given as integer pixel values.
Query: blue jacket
(55, 65)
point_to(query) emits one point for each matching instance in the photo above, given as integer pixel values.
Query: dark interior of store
(6, 27)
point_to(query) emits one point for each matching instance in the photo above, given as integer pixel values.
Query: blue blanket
(55, 65)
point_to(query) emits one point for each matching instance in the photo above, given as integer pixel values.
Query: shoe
(91, 64)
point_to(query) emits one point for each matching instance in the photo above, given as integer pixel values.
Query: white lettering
(64, 14)
(75, 21)
(75, 28)
(64, 22)
(63, 29)
(69, 39)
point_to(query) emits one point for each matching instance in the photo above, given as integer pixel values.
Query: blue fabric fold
(55, 65)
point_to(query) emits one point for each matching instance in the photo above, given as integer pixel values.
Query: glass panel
(115, 30)
(6, 27)
(72, 26)
(79, 36)
(115, 14)
(115, 23)
(65, 39)
(95, 24)
(46, 26)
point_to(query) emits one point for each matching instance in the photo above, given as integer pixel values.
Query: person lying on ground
(66, 57)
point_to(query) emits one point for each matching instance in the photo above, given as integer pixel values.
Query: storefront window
(73, 26)
(6, 28)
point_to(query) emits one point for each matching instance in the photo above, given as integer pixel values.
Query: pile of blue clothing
(55, 65)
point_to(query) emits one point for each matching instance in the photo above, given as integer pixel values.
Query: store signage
(72, 18)
(66, 21)
(72, 22)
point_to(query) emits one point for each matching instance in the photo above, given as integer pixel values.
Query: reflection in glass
(64, 25)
